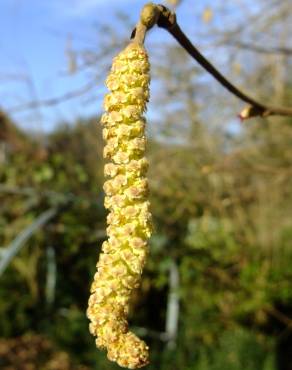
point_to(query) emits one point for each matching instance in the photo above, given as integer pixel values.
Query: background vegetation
(221, 199)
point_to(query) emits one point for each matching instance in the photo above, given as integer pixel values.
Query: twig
(148, 17)
(260, 49)
(167, 20)
(279, 316)
(9, 252)
(54, 100)
(143, 332)
(60, 198)
(51, 276)
(172, 310)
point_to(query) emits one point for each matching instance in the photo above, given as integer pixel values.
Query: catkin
(124, 253)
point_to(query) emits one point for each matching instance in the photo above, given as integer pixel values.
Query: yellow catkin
(124, 253)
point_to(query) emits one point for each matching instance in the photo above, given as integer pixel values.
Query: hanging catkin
(123, 255)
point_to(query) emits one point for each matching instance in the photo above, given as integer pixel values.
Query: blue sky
(34, 35)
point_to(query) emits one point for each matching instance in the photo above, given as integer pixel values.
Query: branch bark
(167, 20)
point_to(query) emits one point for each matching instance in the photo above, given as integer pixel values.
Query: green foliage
(222, 217)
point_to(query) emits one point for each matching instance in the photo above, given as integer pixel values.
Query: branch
(172, 309)
(9, 252)
(260, 49)
(279, 316)
(60, 198)
(53, 101)
(167, 20)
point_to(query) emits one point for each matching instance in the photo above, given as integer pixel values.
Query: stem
(148, 17)
(139, 33)
(20, 240)
(167, 20)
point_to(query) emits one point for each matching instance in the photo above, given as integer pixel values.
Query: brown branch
(260, 49)
(167, 20)
(52, 101)
(279, 316)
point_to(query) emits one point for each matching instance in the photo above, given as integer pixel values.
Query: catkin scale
(124, 253)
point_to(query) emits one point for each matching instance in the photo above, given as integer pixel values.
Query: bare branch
(30, 191)
(53, 101)
(260, 49)
(9, 252)
(167, 20)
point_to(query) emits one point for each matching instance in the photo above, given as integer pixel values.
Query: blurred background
(216, 292)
